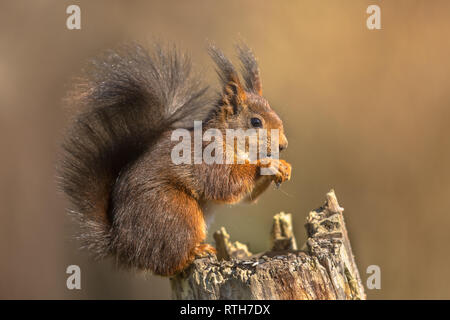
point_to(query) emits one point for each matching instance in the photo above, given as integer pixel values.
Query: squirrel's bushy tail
(126, 99)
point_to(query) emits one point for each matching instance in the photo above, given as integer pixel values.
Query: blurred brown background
(366, 112)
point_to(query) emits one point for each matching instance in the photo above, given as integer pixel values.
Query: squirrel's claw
(283, 174)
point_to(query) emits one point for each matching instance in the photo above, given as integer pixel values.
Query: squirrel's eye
(256, 123)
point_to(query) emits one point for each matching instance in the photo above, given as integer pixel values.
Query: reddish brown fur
(176, 193)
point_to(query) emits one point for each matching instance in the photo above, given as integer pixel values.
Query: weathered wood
(282, 236)
(325, 269)
(226, 250)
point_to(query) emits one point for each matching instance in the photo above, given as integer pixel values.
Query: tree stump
(324, 269)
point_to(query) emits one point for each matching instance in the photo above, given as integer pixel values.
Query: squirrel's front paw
(204, 249)
(284, 172)
(279, 169)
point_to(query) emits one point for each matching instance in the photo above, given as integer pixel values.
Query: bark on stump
(324, 269)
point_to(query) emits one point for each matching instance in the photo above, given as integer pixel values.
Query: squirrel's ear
(233, 91)
(234, 95)
(250, 69)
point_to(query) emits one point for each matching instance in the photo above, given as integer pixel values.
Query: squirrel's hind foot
(204, 249)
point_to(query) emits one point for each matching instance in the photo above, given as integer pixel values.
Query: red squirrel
(132, 201)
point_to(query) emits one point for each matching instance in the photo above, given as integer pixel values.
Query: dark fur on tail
(126, 98)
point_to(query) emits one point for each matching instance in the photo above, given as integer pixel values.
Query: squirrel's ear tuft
(233, 91)
(250, 69)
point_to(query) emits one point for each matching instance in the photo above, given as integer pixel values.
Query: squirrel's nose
(283, 145)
